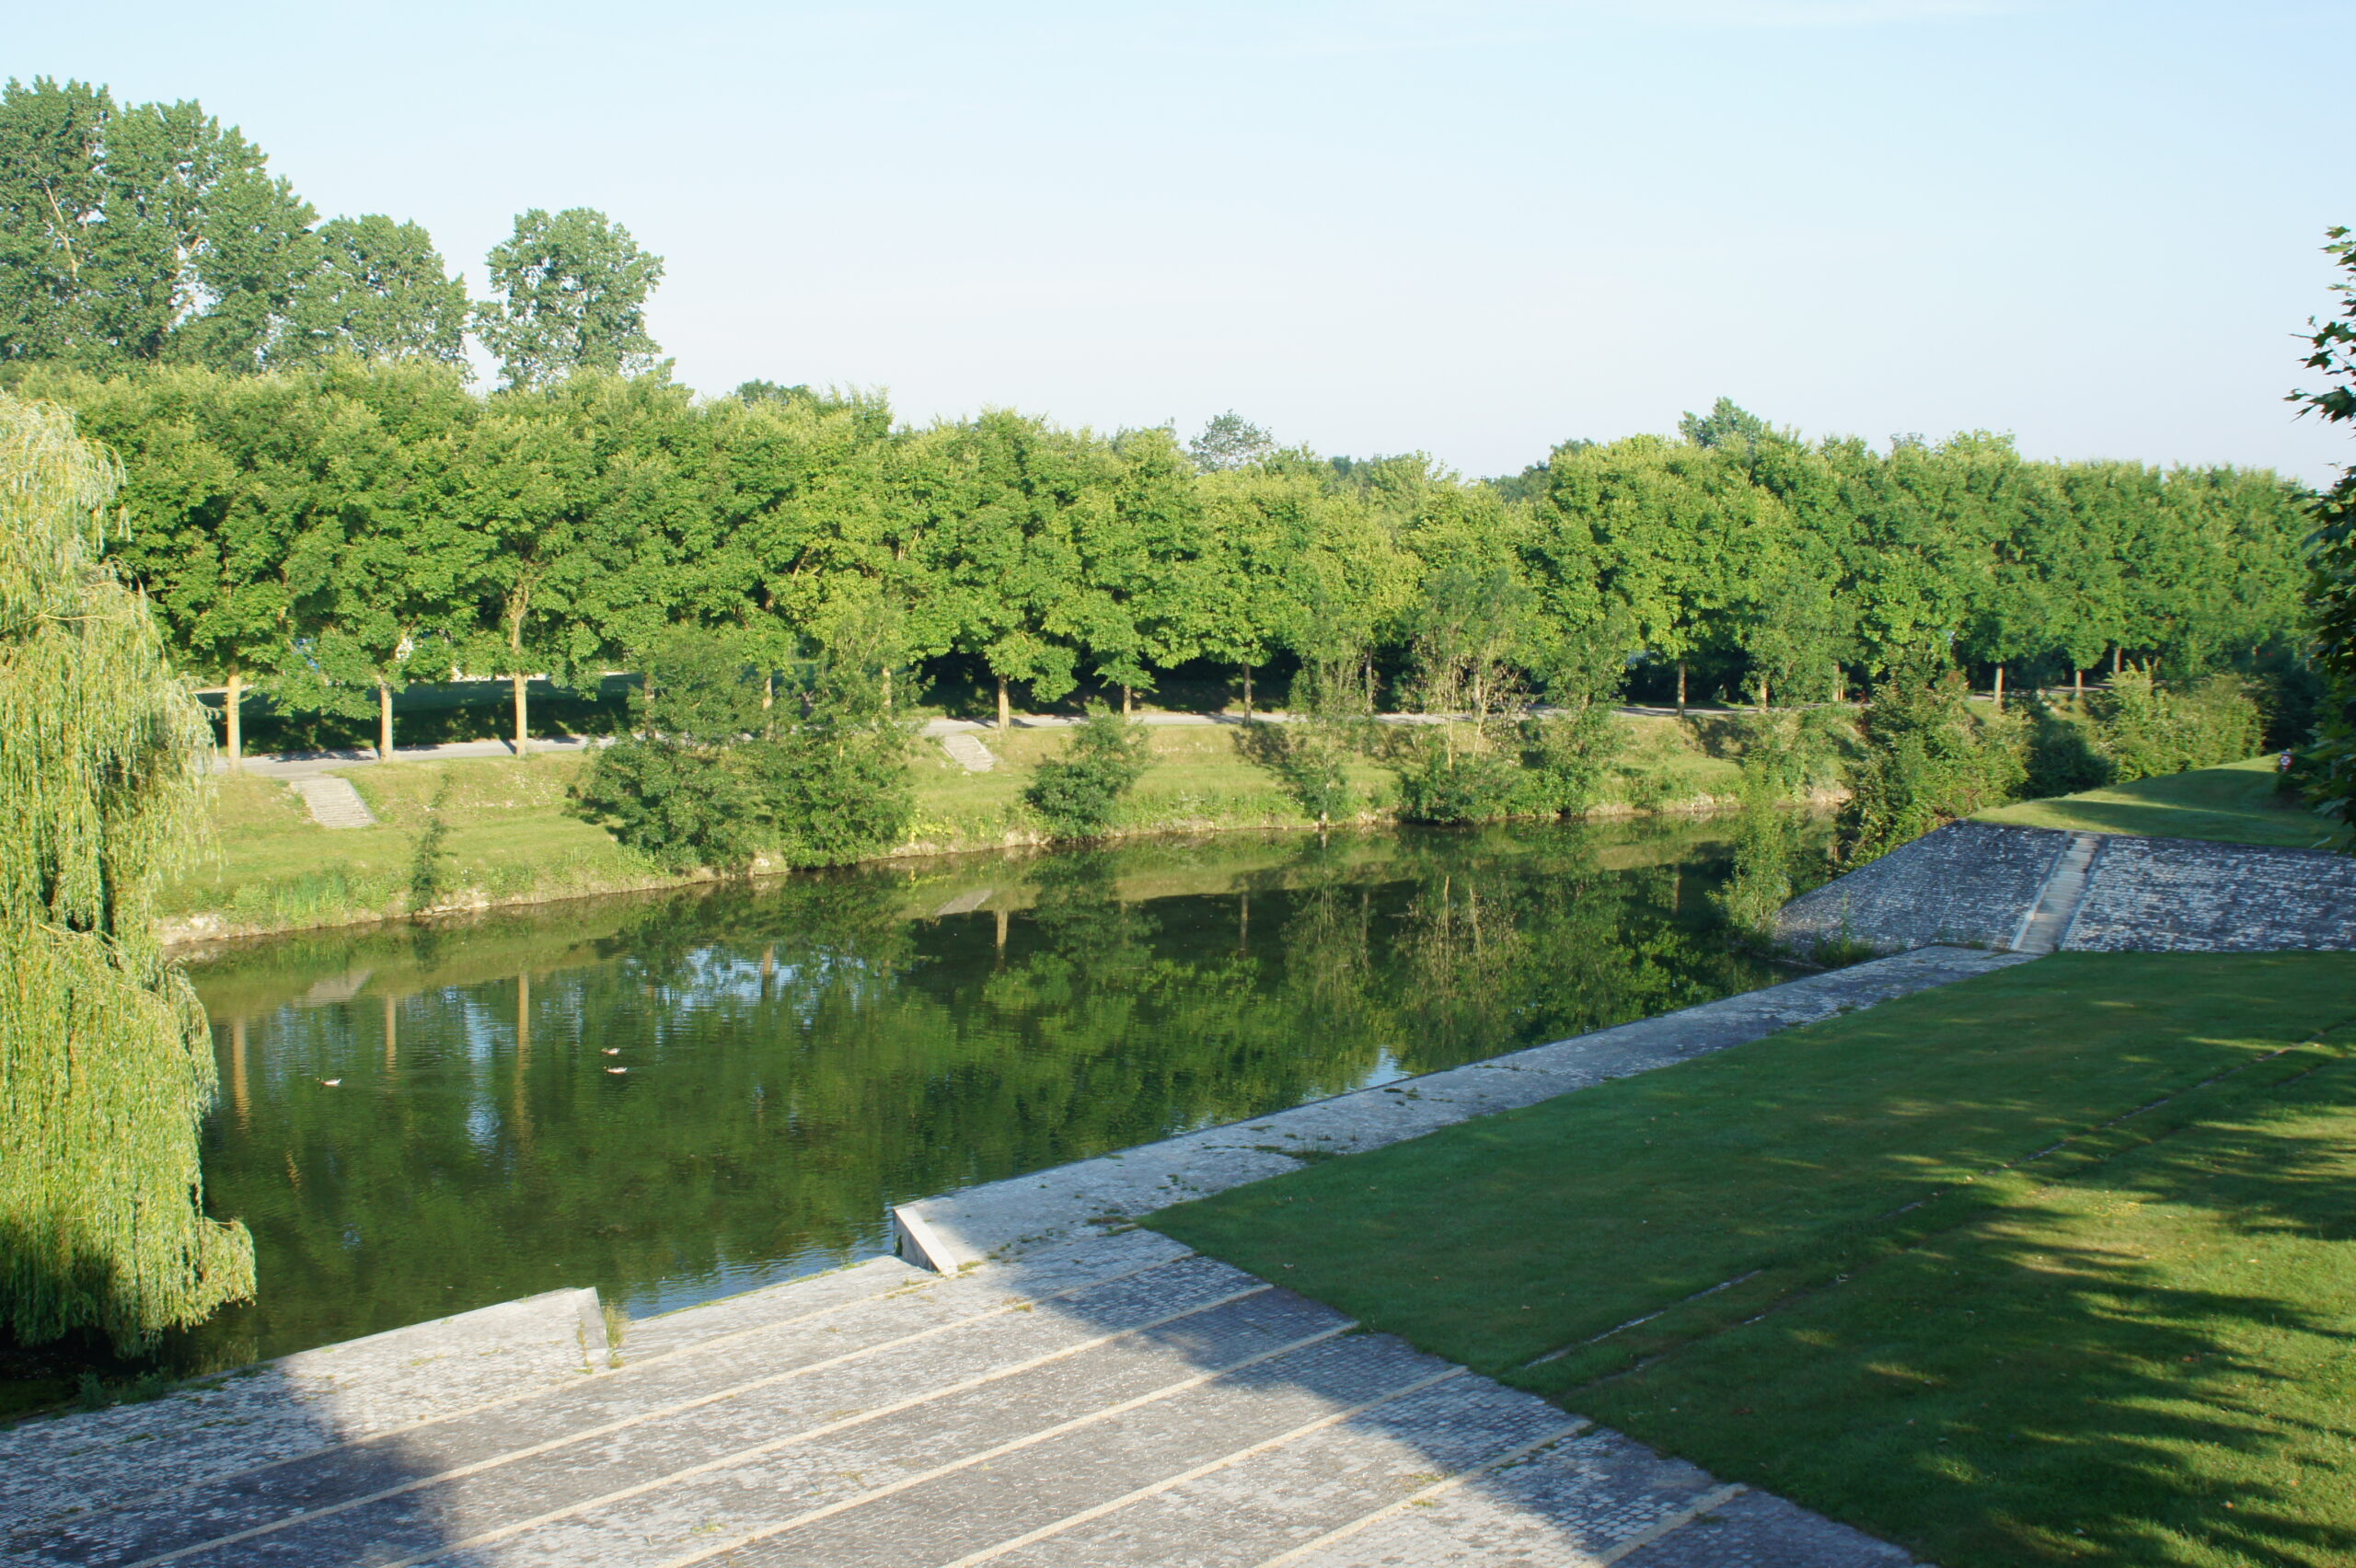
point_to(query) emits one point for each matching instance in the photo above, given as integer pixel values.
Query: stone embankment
(2035, 890)
(1070, 1393)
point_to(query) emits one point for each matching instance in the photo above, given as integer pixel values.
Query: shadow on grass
(2147, 1364)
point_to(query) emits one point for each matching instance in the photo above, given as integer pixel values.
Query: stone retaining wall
(1970, 885)
(1975, 885)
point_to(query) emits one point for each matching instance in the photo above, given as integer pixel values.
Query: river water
(677, 1097)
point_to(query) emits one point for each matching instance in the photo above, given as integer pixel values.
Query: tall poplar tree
(572, 289)
(106, 1061)
(381, 291)
(131, 235)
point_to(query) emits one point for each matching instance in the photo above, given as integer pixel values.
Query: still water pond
(675, 1098)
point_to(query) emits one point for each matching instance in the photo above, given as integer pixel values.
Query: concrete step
(298, 1405)
(333, 803)
(967, 751)
(2058, 901)
(1118, 1401)
(725, 1391)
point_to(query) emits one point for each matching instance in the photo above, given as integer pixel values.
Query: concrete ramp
(1968, 884)
(2033, 890)
(332, 802)
(2197, 895)
(967, 752)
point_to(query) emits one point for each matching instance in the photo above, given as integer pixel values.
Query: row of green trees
(338, 532)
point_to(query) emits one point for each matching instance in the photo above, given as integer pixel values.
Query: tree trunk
(2116, 654)
(1247, 694)
(2000, 688)
(2078, 681)
(887, 688)
(234, 711)
(384, 722)
(1840, 684)
(1004, 707)
(1762, 692)
(1129, 702)
(1001, 913)
(1680, 686)
(523, 734)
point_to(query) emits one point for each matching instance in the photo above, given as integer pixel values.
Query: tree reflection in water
(799, 1054)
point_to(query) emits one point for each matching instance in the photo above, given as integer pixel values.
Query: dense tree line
(337, 531)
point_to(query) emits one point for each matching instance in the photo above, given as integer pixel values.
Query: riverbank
(508, 838)
(2097, 1321)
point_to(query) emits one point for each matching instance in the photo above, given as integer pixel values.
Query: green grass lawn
(2236, 802)
(2049, 1267)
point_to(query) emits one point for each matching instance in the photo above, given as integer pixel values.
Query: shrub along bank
(470, 833)
(510, 831)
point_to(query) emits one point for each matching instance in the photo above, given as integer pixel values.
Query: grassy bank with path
(2054, 1265)
(2238, 802)
(509, 834)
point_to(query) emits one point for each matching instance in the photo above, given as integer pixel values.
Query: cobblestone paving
(1999, 886)
(2192, 895)
(1116, 1401)
(1972, 883)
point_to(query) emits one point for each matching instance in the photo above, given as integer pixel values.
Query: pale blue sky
(1473, 229)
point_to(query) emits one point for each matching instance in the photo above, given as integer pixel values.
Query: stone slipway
(1980, 884)
(1000, 1219)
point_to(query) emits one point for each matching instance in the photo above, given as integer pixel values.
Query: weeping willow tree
(106, 1064)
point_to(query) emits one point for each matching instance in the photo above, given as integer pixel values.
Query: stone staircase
(2058, 901)
(1117, 1401)
(967, 750)
(333, 801)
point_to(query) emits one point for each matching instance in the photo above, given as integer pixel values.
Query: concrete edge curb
(995, 1221)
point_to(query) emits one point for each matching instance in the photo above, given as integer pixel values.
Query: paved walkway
(300, 765)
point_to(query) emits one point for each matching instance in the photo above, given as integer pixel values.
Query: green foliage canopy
(106, 1063)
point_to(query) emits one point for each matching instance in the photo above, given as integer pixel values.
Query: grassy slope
(2236, 802)
(2118, 1336)
(512, 839)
